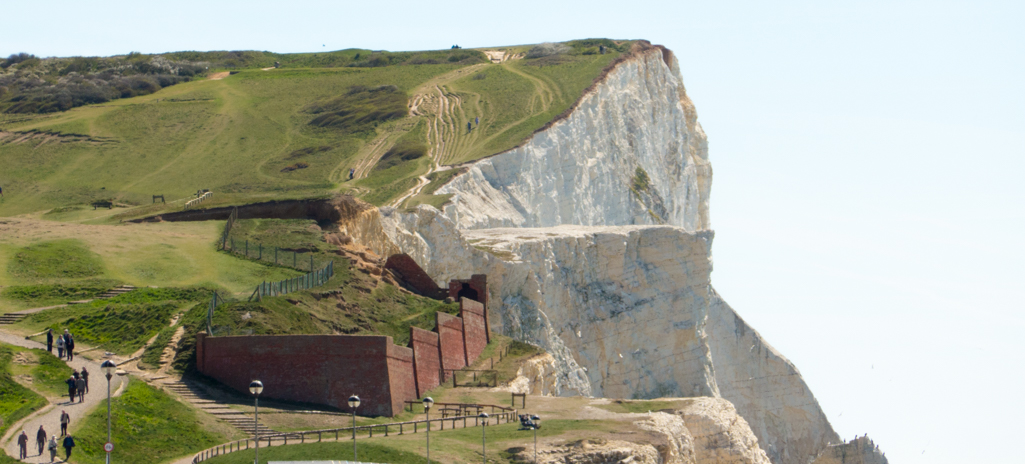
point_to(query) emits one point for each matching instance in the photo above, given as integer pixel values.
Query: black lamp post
(484, 435)
(428, 402)
(256, 387)
(535, 419)
(354, 403)
(108, 369)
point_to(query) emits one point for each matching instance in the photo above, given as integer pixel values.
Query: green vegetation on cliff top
(288, 132)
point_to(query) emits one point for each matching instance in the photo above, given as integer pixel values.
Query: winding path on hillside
(49, 416)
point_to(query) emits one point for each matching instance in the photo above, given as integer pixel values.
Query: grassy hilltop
(249, 131)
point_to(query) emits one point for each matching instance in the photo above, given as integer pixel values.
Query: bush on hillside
(17, 58)
(404, 150)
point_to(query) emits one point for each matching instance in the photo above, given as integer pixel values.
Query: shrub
(404, 150)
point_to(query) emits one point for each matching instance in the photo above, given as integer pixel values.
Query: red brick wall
(322, 369)
(479, 283)
(426, 359)
(450, 335)
(414, 276)
(475, 332)
(401, 376)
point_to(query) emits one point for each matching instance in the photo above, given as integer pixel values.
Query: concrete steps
(198, 397)
(119, 290)
(11, 318)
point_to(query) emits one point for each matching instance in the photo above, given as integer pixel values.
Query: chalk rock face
(537, 376)
(861, 450)
(582, 170)
(766, 388)
(595, 452)
(567, 233)
(721, 436)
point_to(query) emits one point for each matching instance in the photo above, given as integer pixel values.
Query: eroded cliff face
(584, 169)
(624, 307)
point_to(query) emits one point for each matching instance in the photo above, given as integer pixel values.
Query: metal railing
(394, 428)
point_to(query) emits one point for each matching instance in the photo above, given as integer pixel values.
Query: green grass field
(292, 132)
(16, 401)
(48, 372)
(149, 426)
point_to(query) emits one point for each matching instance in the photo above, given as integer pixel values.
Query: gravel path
(50, 419)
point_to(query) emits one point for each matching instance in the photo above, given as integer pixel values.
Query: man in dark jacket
(68, 444)
(85, 375)
(23, 445)
(41, 439)
(49, 340)
(72, 384)
(69, 345)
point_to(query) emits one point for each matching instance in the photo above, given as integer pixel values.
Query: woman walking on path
(85, 375)
(65, 420)
(60, 347)
(52, 446)
(49, 340)
(41, 439)
(68, 444)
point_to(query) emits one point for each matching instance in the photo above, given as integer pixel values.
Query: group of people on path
(65, 344)
(78, 385)
(41, 442)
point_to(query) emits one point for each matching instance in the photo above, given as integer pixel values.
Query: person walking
(60, 347)
(476, 121)
(68, 444)
(65, 420)
(85, 375)
(72, 388)
(69, 345)
(469, 127)
(41, 439)
(23, 445)
(80, 386)
(52, 446)
(49, 340)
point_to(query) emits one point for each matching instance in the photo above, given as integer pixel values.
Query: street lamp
(108, 369)
(484, 436)
(428, 402)
(256, 387)
(535, 419)
(354, 403)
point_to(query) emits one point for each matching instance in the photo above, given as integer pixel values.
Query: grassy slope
(235, 135)
(121, 324)
(47, 371)
(164, 254)
(149, 426)
(16, 401)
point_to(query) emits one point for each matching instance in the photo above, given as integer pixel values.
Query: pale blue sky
(867, 201)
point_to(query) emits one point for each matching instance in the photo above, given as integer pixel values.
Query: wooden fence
(395, 428)
(191, 203)
(227, 227)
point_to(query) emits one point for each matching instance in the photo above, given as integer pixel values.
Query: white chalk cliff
(610, 275)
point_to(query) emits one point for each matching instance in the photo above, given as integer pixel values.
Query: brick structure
(475, 328)
(414, 276)
(426, 359)
(474, 288)
(450, 335)
(322, 369)
(326, 369)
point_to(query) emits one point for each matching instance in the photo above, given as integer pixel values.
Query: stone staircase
(120, 289)
(11, 318)
(198, 397)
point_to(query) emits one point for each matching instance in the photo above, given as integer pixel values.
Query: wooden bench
(103, 203)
